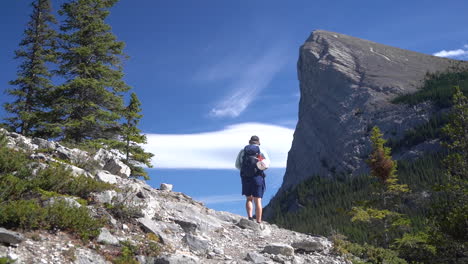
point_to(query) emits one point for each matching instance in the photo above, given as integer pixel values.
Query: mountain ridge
(347, 85)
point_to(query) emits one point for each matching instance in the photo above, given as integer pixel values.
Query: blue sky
(211, 73)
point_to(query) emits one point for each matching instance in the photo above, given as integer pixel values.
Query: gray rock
(177, 258)
(10, 237)
(248, 224)
(106, 176)
(279, 249)
(69, 201)
(309, 245)
(167, 232)
(196, 243)
(87, 256)
(105, 196)
(44, 144)
(255, 257)
(105, 237)
(166, 187)
(102, 156)
(116, 167)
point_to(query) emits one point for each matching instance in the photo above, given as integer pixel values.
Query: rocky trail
(164, 226)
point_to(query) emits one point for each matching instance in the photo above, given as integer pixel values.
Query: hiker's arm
(239, 159)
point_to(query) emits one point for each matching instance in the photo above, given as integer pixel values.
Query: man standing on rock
(253, 176)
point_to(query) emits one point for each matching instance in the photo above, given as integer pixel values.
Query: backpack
(249, 162)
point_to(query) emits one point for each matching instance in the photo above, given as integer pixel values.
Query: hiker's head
(254, 140)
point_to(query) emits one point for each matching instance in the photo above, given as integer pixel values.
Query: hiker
(253, 177)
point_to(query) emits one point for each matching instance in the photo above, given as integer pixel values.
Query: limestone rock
(106, 176)
(86, 256)
(166, 187)
(196, 243)
(255, 257)
(44, 144)
(117, 167)
(105, 196)
(10, 237)
(105, 237)
(309, 245)
(177, 258)
(68, 201)
(279, 249)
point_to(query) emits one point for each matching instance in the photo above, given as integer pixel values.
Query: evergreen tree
(90, 101)
(450, 216)
(382, 210)
(134, 153)
(37, 49)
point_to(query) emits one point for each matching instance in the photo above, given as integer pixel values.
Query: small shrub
(6, 260)
(30, 215)
(127, 255)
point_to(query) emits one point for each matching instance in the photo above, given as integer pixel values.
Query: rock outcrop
(166, 226)
(347, 85)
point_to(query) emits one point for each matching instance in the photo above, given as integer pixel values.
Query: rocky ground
(165, 226)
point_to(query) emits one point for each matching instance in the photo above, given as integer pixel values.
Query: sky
(212, 73)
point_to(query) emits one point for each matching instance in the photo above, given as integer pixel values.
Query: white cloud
(458, 53)
(247, 73)
(217, 199)
(218, 149)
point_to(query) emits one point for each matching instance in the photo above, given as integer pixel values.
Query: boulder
(44, 144)
(197, 243)
(309, 245)
(255, 257)
(117, 167)
(279, 249)
(105, 196)
(106, 176)
(10, 237)
(177, 258)
(87, 256)
(166, 187)
(69, 201)
(106, 238)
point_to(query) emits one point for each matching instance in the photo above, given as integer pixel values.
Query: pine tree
(450, 215)
(91, 100)
(37, 50)
(381, 210)
(134, 153)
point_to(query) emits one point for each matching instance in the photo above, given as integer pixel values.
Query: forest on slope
(323, 205)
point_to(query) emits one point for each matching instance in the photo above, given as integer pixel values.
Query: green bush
(6, 260)
(366, 254)
(60, 179)
(30, 215)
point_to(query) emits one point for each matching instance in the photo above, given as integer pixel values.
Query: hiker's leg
(258, 209)
(249, 206)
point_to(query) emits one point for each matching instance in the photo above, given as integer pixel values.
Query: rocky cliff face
(159, 225)
(347, 85)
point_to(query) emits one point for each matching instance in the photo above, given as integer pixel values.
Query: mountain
(347, 86)
(60, 204)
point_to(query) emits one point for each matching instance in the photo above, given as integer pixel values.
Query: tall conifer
(134, 153)
(90, 101)
(381, 209)
(37, 49)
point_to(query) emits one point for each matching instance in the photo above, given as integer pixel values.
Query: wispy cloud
(456, 54)
(218, 149)
(247, 73)
(217, 199)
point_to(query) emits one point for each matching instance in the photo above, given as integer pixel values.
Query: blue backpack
(249, 162)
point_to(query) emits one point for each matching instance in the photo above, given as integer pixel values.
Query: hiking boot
(251, 218)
